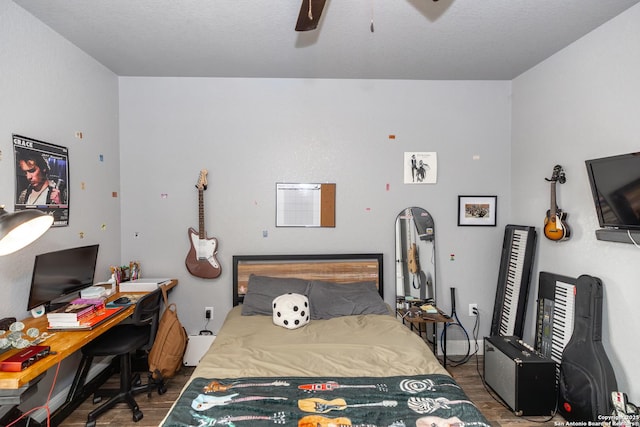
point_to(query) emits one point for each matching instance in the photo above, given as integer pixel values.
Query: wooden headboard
(340, 268)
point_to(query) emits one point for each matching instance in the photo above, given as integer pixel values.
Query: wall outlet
(473, 309)
(208, 313)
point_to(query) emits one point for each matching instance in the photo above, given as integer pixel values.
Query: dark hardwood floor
(156, 407)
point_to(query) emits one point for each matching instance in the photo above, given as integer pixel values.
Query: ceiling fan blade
(309, 16)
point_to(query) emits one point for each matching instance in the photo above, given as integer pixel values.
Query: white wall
(49, 90)
(252, 133)
(580, 104)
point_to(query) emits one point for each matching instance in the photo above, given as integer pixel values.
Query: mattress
(350, 370)
(347, 346)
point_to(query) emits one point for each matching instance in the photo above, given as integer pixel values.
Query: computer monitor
(615, 185)
(60, 273)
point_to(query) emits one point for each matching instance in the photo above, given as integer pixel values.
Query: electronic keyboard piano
(516, 263)
(556, 312)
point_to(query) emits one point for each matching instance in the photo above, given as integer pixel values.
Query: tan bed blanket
(350, 346)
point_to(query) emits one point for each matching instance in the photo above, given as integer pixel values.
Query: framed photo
(477, 210)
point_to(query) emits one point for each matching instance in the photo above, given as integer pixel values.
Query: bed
(350, 362)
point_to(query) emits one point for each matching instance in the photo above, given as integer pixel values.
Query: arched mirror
(415, 257)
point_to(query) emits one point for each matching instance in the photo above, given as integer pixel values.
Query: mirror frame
(415, 256)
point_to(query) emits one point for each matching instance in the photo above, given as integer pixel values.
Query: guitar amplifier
(523, 378)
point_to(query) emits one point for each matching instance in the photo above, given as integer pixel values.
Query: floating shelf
(621, 236)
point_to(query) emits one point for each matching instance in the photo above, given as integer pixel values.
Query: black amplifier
(522, 377)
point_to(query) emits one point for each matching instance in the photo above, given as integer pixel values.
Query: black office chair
(123, 340)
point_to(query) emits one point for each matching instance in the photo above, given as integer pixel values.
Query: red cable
(46, 405)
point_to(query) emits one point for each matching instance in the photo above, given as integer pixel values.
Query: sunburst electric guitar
(201, 260)
(555, 227)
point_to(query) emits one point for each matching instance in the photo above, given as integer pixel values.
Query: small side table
(419, 323)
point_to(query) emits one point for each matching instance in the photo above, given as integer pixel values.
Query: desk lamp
(18, 229)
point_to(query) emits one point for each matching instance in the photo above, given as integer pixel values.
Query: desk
(63, 344)
(418, 321)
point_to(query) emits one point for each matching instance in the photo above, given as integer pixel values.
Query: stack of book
(77, 313)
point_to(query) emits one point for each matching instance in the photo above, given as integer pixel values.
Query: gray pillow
(329, 300)
(261, 290)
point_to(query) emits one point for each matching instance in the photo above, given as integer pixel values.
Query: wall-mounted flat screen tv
(615, 185)
(60, 273)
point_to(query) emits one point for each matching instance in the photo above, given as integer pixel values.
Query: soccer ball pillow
(291, 310)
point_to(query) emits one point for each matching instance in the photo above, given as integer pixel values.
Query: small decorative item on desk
(116, 273)
(121, 273)
(113, 283)
(17, 337)
(134, 270)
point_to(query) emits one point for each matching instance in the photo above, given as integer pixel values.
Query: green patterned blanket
(421, 401)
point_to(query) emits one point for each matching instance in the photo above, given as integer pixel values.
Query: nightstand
(417, 320)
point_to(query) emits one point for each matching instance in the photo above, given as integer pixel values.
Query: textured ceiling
(412, 39)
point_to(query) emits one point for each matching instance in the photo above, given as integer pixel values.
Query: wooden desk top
(62, 343)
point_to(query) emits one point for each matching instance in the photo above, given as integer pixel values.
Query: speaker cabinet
(524, 379)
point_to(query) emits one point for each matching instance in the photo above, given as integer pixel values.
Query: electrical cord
(204, 330)
(45, 406)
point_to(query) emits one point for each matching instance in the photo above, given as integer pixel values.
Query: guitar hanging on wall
(201, 260)
(555, 227)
